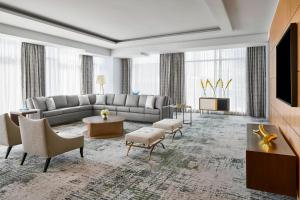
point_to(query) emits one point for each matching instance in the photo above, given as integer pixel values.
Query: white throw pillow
(150, 102)
(84, 100)
(50, 104)
(100, 99)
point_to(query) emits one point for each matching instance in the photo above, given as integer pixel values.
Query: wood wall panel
(285, 117)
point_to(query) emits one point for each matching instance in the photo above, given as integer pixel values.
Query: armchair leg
(81, 152)
(24, 157)
(8, 151)
(47, 164)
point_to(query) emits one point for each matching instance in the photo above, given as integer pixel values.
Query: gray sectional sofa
(68, 108)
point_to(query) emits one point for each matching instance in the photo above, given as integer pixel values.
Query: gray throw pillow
(100, 99)
(83, 100)
(50, 104)
(150, 102)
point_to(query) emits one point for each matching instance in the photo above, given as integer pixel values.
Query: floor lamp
(101, 82)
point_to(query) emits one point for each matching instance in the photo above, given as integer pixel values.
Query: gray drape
(33, 70)
(172, 77)
(126, 75)
(87, 73)
(256, 78)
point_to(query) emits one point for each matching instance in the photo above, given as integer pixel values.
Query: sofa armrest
(166, 112)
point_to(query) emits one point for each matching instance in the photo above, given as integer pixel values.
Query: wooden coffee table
(99, 128)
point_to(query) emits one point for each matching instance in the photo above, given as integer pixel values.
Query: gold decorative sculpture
(219, 83)
(267, 138)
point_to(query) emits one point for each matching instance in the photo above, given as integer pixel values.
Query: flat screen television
(286, 67)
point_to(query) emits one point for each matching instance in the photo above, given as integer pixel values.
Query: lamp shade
(101, 79)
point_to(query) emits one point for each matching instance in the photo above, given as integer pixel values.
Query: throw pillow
(100, 99)
(150, 102)
(83, 100)
(50, 104)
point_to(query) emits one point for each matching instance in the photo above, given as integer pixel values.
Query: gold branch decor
(219, 84)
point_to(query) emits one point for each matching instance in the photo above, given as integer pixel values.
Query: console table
(214, 104)
(272, 169)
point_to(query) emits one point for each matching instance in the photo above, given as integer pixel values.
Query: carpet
(207, 162)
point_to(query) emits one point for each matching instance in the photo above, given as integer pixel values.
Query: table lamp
(101, 82)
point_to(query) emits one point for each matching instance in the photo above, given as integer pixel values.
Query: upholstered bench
(171, 126)
(146, 137)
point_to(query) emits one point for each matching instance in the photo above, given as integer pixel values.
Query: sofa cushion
(92, 98)
(132, 100)
(29, 103)
(142, 100)
(137, 110)
(112, 108)
(39, 103)
(110, 99)
(99, 107)
(52, 113)
(70, 110)
(159, 102)
(100, 99)
(119, 99)
(50, 104)
(72, 100)
(122, 108)
(150, 102)
(60, 101)
(152, 111)
(85, 107)
(84, 100)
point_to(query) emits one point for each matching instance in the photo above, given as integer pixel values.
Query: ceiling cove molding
(218, 10)
(32, 16)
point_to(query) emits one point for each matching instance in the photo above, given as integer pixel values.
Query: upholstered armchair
(39, 139)
(9, 133)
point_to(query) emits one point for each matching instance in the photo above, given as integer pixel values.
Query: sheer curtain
(214, 64)
(10, 75)
(145, 75)
(63, 71)
(98, 63)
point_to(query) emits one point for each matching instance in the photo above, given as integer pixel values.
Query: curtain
(33, 70)
(217, 64)
(63, 71)
(256, 71)
(172, 77)
(10, 75)
(87, 73)
(145, 75)
(126, 75)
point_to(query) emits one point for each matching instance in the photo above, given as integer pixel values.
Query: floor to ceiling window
(63, 71)
(98, 70)
(145, 75)
(10, 75)
(217, 64)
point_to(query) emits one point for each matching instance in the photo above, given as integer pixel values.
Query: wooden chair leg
(81, 152)
(8, 151)
(23, 158)
(47, 164)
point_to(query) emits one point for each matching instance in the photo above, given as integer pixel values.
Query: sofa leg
(8, 151)
(24, 157)
(81, 152)
(47, 164)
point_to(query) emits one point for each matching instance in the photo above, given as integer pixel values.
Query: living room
(194, 99)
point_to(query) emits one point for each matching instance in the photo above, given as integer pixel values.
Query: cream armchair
(9, 133)
(39, 139)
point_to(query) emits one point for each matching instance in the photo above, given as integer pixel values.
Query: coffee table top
(99, 120)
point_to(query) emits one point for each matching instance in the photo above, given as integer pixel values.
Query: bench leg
(129, 147)
(151, 150)
(163, 146)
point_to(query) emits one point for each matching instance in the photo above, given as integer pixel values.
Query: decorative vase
(104, 117)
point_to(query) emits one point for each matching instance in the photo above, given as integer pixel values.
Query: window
(10, 76)
(63, 71)
(214, 64)
(98, 70)
(145, 75)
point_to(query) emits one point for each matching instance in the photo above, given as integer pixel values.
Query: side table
(185, 109)
(14, 114)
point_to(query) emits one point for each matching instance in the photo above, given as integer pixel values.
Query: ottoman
(146, 137)
(171, 126)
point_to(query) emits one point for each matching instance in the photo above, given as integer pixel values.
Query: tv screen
(286, 66)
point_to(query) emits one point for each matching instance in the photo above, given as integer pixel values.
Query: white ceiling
(133, 23)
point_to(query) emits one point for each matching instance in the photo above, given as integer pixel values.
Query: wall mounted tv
(286, 67)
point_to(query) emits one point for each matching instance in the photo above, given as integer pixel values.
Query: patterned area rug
(208, 162)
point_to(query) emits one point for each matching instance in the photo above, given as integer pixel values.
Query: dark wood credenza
(271, 170)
